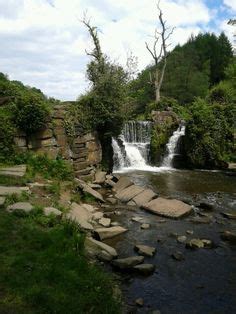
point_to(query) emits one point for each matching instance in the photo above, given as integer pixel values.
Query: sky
(43, 42)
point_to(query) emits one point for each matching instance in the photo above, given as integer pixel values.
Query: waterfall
(135, 139)
(131, 148)
(172, 147)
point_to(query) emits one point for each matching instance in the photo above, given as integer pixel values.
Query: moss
(159, 138)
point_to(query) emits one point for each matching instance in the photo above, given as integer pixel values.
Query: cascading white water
(135, 138)
(131, 149)
(172, 146)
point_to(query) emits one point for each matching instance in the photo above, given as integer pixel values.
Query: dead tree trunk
(159, 54)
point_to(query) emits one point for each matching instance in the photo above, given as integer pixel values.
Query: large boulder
(123, 183)
(80, 215)
(146, 196)
(171, 208)
(106, 233)
(128, 193)
(128, 262)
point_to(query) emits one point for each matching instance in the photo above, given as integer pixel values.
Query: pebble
(181, 239)
(139, 302)
(145, 226)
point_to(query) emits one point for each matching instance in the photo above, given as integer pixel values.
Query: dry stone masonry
(83, 150)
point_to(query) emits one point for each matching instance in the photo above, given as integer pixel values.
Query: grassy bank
(43, 268)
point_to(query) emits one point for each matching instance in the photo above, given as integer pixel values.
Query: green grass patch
(43, 269)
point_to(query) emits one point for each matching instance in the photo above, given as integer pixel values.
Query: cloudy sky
(42, 42)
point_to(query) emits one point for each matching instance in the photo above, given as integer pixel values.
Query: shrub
(31, 113)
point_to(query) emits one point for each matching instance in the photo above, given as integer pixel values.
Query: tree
(102, 106)
(160, 55)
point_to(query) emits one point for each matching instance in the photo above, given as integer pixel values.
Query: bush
(31, 113)
(7, 131)
(221, 93)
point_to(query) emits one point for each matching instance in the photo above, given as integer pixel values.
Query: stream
(205, 281)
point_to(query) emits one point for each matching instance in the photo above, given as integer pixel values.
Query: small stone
(105, 222)
(228, 236)
(52, 211)
(178, 256)
(207, 243)
(181, 239)
(145, 269)
(139, 302)
(128, 262)
(189, 231)
(161, 221)
(26, 207)
(137, 219)
(173, 235)
(115, 223)
(145, 250)
(145, 226)
(206, 206)
(156, 312)
(195, 244)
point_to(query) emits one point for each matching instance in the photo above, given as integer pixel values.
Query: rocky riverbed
(170, 237)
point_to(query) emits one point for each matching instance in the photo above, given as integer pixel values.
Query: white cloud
(231, 4)
(43, 42)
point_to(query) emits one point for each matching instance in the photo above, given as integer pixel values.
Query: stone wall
(83, 150)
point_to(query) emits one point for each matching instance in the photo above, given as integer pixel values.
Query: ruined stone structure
(83, 150)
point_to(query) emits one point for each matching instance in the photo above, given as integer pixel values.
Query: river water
(205, 281)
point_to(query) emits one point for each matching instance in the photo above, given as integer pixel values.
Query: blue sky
(43, 42)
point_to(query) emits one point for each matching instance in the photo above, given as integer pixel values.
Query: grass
(43, 269)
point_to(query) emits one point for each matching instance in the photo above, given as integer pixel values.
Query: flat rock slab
(123, 183)
(171, 208)
(106, 233)
(25, 206)
(52, 211)
(95, 247)
(129, 193)
(8, 190)
(2, 200)
(80, 215)
(128, 262)
(87, 189)
(14, 171)
(144, 197)
(145, 250)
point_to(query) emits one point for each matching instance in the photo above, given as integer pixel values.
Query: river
(205, 281)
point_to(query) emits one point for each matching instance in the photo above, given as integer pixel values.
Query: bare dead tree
(159, 54)
(97, 51)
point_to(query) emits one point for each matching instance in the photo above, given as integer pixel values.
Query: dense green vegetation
(210, 132)
(191, 70)
(22, 108)
(43, 268)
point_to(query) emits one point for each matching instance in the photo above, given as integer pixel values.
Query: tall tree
(103, 104)
(159, 54)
